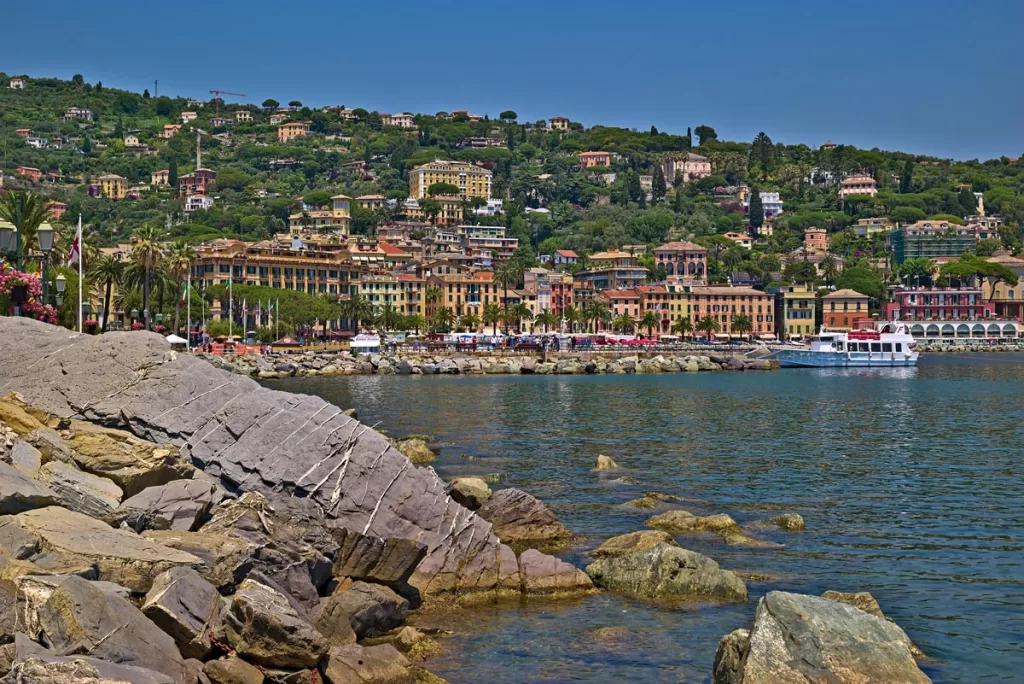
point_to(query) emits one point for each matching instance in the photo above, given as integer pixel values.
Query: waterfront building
(669, 301)
(841, 309)
(292, 130)
(932, 239)
(591, 159)
(938, 304)
(620, 303)
(858, 184)
(1007, 299)
(472, 180)
(561, 285)
(724, 303)
(682, 259)
(402, 292)
(538, 280)
(795, 307)
(611, 270)
(691, 166)
(113, 186)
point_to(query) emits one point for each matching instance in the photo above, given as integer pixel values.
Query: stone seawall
(565, 363)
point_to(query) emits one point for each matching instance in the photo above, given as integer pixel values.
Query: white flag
(76, 247)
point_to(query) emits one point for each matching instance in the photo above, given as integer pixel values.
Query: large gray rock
(35, 590)
(371, 610)
(186, 606)
(519, 517)
(225, 561)
(118, 556)
(179, 505)
(19, 492)
(256, 439)
(80, 616)
(666, 571)
(79, 491)
(799, 638)
(385, 561)
(26, 458)
(263, 627)
(634, 541)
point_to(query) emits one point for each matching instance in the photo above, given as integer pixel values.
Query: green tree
(357, 309)
(762, 154)
(546, 319)
(445, 189)
(271, 104)
(863, 279)
(178, 262)
(33, 214)
(829, 269)
(172, 172)
(471, 322)
(800, 272)
(294, 103)
(708, 325)
(508, 115)
(756, 214)
(86, 146)
(107, 270)
(705, 134)
(742, 324)
(443, 320)
(625, 324)
(492, 316)
(907, 177)
(649, 321)
(594, 311)
(147, 253)
(968, 202)
(682, 326)
(388, 319)
(517, 313)
(508, 275)
(917, 271)
(431, 208)
(573, 317)
(658, 186)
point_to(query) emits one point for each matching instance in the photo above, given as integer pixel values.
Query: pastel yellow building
(333, 221)
(113, 186)
(472, 180)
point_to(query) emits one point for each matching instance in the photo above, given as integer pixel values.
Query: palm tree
(148, 253)
(433, 294)
(595, 310)
(708, 325)
(389, 318)
(471, 322)
(492, 316)
(741, 323)
(179, 260)
(546, 318)
(829, 269)
(517, 313)
(357, 309)
(573, 317)
(108, 270)
(444, 319)
(624, 323)
(508, 275)
(416, 322)
(683, 326)
(649, 321)
(33, 214)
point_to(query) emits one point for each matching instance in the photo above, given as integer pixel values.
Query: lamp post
(7, 230)
(45, 234)
(133, 314)
(62, 284)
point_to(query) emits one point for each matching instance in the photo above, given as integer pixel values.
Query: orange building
(841, 309)
(590, 159)
(620, 302)
(724, 303)
(56, 209)
(816, 238)
(291, 130)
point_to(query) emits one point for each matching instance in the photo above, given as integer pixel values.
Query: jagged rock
(667, 571)
(867, 603)
(184, 605)
(232, 670)
(544, 574)
(79, 615)
(262, 626)
(521, 517)
(8, 610)
(119, 556)
(729, 657)
(225, 561)
(369, 609)
(470, 492)
(634, 541)
(132, 463)
(19, 492)
(89, 494)
(26, 458)
(720, 524)
(385, 561)
(35, 590)
(255, 439)
(416, 450)
(808, 638)
(49, 669)
(381, 664)
(179, 505)
(791, 522)
(14, 413)
(605, 463)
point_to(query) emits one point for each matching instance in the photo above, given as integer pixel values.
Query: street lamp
(62, 284)
(45, 234)
(133, 314)
(7, 238)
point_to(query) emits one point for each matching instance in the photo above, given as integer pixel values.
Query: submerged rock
(800, 638)
(666, 571)
(605, 463)
(634, 541)
(787, 522)
(721, 524)
(471, 492)
(416, 450)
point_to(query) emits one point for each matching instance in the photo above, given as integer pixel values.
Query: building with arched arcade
(686, 259)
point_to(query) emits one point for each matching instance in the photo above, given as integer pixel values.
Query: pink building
(815, 239)
(858, 184)
(939, 304)
(591, 159)
(691, 167)
(682, 259)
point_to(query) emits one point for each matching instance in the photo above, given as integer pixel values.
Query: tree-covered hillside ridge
(351, 150)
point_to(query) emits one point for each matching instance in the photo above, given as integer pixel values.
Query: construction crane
(216, 97)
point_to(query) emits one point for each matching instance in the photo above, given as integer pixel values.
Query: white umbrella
(174, 339)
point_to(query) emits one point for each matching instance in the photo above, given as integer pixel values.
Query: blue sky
(940, 77)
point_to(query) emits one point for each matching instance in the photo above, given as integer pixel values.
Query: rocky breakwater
(165, 521)
(955, 348)
(324, 363)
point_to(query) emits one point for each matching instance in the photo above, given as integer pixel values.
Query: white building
(197, 203)
(188, 116)
(492, 208)
(858, 184)
(38, 143)
(771, 202)
(17, 83)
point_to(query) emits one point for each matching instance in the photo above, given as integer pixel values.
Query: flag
(75, 253)
(184, 294)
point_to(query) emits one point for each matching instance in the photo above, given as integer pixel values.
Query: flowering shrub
(90, 326)
(160, 329)
(138, 326)
(10, 279)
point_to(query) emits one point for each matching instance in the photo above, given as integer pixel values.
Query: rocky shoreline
(953, 347)
(310, 364)
(163, 521)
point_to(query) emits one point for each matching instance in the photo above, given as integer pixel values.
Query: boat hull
(796, 358)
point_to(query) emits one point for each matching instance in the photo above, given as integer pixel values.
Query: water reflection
(909, 480)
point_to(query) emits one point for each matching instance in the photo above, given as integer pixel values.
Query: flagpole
(188, 311)
(80, 260)
(231, 309)
(277, 317)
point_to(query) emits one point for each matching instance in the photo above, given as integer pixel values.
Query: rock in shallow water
(634, 541)
(519, 517)
(666, 571)
(471, 492)
(605, 463)
(799, 638)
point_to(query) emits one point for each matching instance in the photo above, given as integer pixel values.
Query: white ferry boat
(854, 348)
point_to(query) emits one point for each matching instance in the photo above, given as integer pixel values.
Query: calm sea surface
(910, 481)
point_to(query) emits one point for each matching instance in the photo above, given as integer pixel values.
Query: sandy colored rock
(667, 571)
(381, 664)
(798, 638)
(544, 574)
(263, 627)
(634, 541)
(521, 517)
(369, 609)
(79, 491)
(14, 415)
(605, 463)
(721, 524)
(119, 556)
(225, 561)
(729, 656)
(232, 670)
(470, 492)
(49, 669)
(790, 522)
(416, 450)
(80, 615)
(19, 492)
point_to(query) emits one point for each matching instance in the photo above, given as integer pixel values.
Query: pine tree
(633, 187)
(87, 145)
(145, 94)
(968, 202)
(756, 215)
(658, 186)
(119, 128)
(172, 173)
(654, 130)
(907, 180)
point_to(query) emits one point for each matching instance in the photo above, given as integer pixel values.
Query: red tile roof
(391, 250)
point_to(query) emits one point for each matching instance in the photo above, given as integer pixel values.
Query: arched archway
(948, 330)
(963, 330)
(978, 330)
(917, 330)
(931, 331)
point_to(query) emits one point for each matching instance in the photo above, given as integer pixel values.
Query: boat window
(887, 346)
(839, 346)
(876, 346)
(899, 346)
(864, 346)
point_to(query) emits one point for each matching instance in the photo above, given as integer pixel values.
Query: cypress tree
(756, 215)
